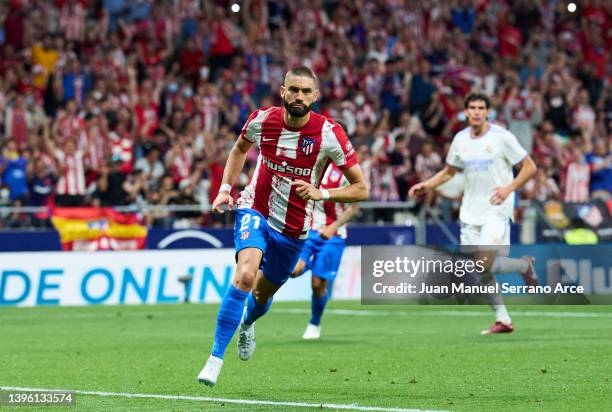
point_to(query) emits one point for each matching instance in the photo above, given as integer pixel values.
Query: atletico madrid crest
(307, 145)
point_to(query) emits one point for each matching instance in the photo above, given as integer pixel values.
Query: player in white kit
(487, 154)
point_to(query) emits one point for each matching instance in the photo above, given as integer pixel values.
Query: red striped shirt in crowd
(288, 154)
(208, 111)
(96, 146)
(72, 20)
(577, 182)
(72, 173)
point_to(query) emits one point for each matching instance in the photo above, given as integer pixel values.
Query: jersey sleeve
(341, 151)
(452, 158)
(513, 151)
(250, 130)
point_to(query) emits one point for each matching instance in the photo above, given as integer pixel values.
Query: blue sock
(254, 310)
(317, 306)
(228, 319)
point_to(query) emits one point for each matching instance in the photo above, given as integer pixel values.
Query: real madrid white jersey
(487, 162)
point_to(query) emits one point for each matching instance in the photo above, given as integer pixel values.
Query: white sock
(501, 314)
(496, 301)
(505, 264)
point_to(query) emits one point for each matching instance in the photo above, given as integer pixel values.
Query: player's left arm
(356, 191)
(515, 154)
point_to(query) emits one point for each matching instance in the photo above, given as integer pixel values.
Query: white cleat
(246, 341)
(312, 332)
(210, 372)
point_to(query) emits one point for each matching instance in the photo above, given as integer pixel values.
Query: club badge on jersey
(307, 145)
(245, 235)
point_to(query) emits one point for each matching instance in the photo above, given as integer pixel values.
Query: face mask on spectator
(187, 93)
(492, 115)
(172, 88)
(359, 100)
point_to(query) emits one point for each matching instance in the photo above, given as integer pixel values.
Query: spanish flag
(98, 228)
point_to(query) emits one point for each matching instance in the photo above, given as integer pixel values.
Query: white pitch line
(458, 313)
(225, 400)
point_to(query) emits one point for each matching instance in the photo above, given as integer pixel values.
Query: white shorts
(494, 232)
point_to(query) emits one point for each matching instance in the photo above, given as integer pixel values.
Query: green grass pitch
(388, 356)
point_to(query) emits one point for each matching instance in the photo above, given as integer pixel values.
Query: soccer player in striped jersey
(275, 209)
(487, 154)
(324, 247)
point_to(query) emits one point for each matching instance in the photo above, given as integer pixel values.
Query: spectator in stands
(399, 159)
(42, 178)
(464, 16)
(17, 121)
(13, 167)
(557, 109)
(191, 60)
(577, 178)
(111, 185)
(542, 187)
(150, 165)
(523, 111)
(600, 162)
(70, 189)
(44, 58)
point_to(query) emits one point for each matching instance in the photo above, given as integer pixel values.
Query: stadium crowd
(119, 102)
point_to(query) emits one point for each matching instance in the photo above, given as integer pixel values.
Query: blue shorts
(280, 252)
(322, 256)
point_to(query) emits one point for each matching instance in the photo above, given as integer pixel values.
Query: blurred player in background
(323, 250)
(487, 154)
(274, 210)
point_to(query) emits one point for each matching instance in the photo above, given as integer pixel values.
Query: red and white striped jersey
(95, 147)
(72, 179)
(288, 154)
(577, 182)
(72, 20)
(326, 213)
(208, 110)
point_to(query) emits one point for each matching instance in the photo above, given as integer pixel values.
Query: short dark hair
(303, 71)
(477, 96)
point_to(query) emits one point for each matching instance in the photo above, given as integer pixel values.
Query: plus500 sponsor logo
(286, 168)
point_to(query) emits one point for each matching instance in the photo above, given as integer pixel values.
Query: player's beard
(295, 110)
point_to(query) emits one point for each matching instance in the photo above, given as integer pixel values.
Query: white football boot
(312, 332)
(210, 372)
(246, 341)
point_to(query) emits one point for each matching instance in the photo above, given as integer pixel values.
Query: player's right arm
(233, 167)
(235, 163)
(433, 182)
